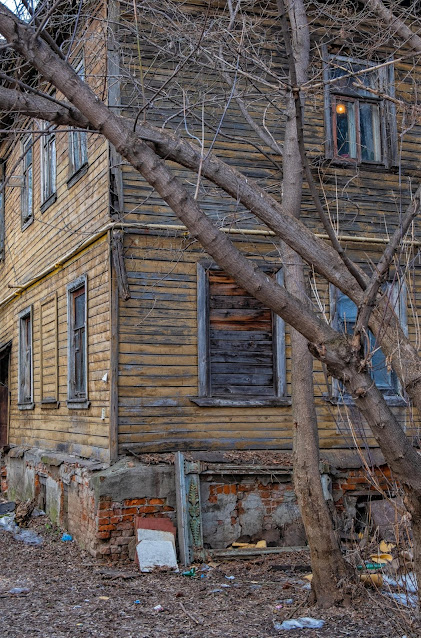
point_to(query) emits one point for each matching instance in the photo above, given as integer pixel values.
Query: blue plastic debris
(66, 537)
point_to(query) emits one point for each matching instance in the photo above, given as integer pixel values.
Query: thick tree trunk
(326, 344)
(327, 562)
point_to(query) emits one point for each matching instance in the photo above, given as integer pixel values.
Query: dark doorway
(4, 394)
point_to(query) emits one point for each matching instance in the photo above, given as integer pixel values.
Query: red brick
(127, 517)
(126, 525)
(104, 505)
(227, 489)
(122, 540)
(130, 510)
(147, 509)
(233, 489)
(103, 535)
(105, 528)
(167, 508)
(134, 501)
(156, 501)
(104, 550)
(115, 519)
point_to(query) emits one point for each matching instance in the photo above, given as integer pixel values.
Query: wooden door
(4, 404)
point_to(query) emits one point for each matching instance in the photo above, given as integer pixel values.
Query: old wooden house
(120, 337)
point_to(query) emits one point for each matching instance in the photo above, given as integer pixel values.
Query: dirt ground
(68, 593)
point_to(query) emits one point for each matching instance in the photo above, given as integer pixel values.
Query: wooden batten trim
(114, 353)
(100, 234)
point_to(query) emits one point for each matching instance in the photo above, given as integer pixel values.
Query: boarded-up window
(25, 376)
(49, 363)
(241, 343)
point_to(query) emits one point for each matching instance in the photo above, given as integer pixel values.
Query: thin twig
(198, 622)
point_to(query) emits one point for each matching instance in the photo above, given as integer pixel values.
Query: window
(2, 210)
(48, 166)
(78, 142)
(77, 391)
(241, 345)
(48, 352)
(27, 201)
(25, 366)
(360, 121)
(344, 313)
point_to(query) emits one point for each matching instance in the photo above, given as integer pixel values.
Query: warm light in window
(341, 109)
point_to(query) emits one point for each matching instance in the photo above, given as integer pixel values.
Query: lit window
(360, 122)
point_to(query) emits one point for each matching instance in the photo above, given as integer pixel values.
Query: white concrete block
(153, 554)
(155, 535)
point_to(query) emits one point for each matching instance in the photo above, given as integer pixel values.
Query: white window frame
(25, 348)
(76, 400)
(205, 397)
(48, 165)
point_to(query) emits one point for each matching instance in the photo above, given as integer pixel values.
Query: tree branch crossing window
(27, 196)
(78, 140)
(48, 165)
(241, 345)
(345, 313)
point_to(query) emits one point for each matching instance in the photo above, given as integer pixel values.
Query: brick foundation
(98, 504)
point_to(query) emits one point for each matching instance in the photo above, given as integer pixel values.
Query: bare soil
(71, 594)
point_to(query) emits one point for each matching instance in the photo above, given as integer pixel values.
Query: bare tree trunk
(327, 563)
(326, 344)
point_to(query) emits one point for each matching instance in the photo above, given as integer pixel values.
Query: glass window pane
(370, 132)
(345, 129)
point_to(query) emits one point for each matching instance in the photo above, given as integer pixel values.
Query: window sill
(75, 177)
(374, 166)
(239, 402)
(27, 223)
(26, 406)
(50, 404)
(48, 202)
(393, 400)
(76, 404)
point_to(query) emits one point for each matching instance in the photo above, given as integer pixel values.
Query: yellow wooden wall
(80, 210)
(158, 365)
(81, 432)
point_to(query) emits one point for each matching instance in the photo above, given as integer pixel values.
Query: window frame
(388, 136)
(398, 298)
(205, 397)
(76, 400)
(27, 192)
(48, 161)
(24, 402)
(78, 140)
